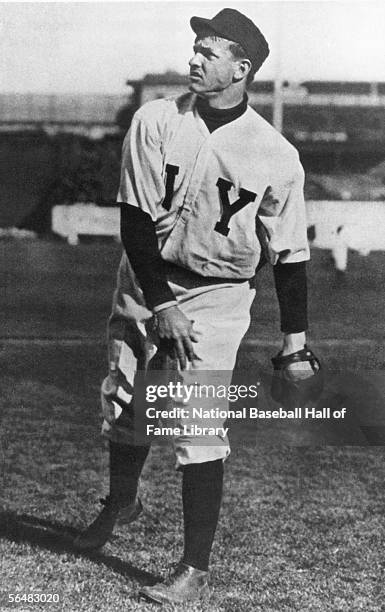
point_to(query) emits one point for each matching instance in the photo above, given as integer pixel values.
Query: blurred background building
(62, 149)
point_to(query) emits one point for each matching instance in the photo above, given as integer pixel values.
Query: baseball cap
(235, 26)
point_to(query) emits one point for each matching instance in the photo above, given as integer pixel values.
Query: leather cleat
(186, 584)
(100, 530)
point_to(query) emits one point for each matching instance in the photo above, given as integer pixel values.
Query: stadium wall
(362, 219)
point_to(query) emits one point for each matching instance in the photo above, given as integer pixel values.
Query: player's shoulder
(269, 137)
(157, 112)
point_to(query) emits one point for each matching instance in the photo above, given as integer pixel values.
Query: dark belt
(189, 279)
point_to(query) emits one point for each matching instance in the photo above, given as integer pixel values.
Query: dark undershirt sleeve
(291, 287)
(141, 246)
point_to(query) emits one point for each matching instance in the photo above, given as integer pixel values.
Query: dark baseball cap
(235, 26)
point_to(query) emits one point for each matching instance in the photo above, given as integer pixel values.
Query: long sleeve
(141, 189)
(282, 230)
(141, 245)
(291, 288)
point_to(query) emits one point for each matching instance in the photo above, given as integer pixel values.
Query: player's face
(212, 66)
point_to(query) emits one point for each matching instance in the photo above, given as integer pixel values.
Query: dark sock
(126, 463)
(202, 496)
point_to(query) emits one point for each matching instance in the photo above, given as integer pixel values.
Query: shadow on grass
(58, 538)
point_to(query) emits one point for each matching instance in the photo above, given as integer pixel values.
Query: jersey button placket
(197, 177)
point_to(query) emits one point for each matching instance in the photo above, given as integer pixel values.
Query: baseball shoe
(186, 584)
(100, 530)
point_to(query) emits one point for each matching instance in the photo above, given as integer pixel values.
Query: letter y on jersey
(228, 210)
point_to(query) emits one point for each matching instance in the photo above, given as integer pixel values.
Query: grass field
(302, 526)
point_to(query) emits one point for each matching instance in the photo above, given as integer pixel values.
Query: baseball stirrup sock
(202, 496)
(126, 463)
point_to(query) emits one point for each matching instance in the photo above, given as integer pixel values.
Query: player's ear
(242, 69)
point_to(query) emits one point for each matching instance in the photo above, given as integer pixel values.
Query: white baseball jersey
(203, 191)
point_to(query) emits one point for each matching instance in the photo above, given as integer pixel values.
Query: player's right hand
(174, 326)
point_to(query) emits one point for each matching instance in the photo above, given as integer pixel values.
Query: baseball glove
(296, 387)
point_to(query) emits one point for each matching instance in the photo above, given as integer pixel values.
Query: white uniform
(203, 192)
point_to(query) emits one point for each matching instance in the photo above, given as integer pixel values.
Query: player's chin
(196, 86)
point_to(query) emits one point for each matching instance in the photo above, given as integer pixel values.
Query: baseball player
(208, 191)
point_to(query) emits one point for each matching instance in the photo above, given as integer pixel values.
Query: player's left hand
(175, 327)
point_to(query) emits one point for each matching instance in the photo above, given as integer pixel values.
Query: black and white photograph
(192, 255)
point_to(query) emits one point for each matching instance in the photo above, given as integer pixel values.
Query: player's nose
(195, 61)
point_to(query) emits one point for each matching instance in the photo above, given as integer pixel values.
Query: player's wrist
(164, 306)
(292, 343)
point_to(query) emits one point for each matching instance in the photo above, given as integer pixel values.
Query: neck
(224, 99)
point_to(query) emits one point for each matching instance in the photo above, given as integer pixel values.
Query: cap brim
(200, 24)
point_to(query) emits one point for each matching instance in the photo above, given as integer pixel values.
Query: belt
(189, 279)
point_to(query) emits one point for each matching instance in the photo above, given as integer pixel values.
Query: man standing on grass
(203, 175)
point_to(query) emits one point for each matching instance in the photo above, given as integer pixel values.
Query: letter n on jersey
(228, 210)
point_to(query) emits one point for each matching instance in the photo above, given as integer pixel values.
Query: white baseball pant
(221, 315)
